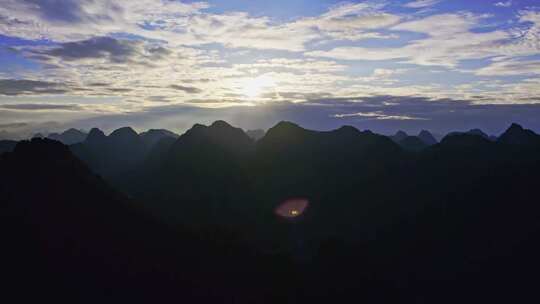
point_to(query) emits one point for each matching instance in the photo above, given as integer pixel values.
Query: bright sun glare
(254, 87)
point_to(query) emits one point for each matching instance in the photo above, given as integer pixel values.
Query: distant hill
(4, 135)
(474, 132)
(399, 136)
(465, 140)
(114, 155)
(255, 134)
(153, 136)
(478, 132)
(413, 143)
(7, 145)
(69, 137)
(426, 137)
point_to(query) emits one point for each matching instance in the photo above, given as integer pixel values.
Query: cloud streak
(41, 107)
(186, 89)
(13, 87)
(378, 115)
(422, 3)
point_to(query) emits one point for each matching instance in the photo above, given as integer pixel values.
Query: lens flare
(292, 208)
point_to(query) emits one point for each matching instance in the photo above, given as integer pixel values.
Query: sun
(254, 87)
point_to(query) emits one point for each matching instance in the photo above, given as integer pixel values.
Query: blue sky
(383, 65)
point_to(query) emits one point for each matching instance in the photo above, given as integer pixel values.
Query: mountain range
(200, 217)
(417, 143)
(118, 153)
(69, 137)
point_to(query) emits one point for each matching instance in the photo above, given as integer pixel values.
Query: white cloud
(71, 20)
(359, 53)
(382, 76)
(504, 4)
(180, 23)
(350, 22)
(522, 92)
(525, 38)
(377, 115)
(166, 56)
(510, 67)
(351, 17)
(299, 65)
(421, 3)
(385, 73)
(450, 40)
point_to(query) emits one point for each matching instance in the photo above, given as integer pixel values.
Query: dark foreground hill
(68, 236)
(298, 216)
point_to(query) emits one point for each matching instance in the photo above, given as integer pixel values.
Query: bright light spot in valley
(292, 208)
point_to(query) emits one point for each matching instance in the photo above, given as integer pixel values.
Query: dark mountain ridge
(517, 135)
(455, 220)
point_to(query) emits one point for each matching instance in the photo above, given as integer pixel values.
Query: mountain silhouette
(126, 146)
(66, 234)
(478, 132)
(125, 135)
(114, 155)
(399, 136)
(65, 224)
(69, 137)
(427, 138)
(325, 168)
(413, 143)
(96, 137)
(153, 136)
(517, 135)
(219, 134)
(464, 140)
(299, 216)
(474, 132)
(203, 168)
(289, 139)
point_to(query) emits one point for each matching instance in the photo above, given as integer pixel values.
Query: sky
(440, 65)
